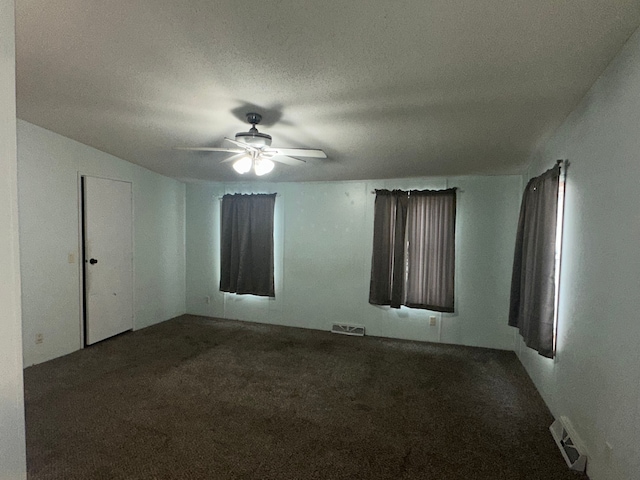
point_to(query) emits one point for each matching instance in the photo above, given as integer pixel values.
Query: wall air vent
(345, 329)
(569, 444)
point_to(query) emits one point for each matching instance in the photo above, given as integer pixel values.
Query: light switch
(72, 258)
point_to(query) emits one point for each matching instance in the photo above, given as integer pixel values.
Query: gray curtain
(388, 259)
(431, 223)
(246, 244)
(532, 304)
(414, 249)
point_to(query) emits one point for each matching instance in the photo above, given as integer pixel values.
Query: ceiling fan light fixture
(263, 166)
(243, 165)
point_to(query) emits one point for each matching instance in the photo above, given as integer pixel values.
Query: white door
(108, 257)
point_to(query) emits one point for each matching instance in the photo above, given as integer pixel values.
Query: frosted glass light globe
(242, 165)
(263, 166)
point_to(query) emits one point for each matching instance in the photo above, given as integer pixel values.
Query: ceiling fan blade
(235, 157)
(210, 149)
(246, 146)
(287, 160)
(298, 152)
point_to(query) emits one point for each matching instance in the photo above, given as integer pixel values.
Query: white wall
(12, 439)
(595, 378)
(48, 167)
(324, 235)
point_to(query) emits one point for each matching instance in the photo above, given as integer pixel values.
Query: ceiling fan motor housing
(253, 137)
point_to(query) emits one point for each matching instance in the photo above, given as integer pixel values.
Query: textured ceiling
(386, 89)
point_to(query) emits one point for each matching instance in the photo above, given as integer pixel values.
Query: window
(246, 244)
(413, 259)
(536, 264)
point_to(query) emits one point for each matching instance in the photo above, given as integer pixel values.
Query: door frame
(81, 259)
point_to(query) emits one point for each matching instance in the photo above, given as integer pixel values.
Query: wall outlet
(39, 338)
(207, 299)
(432, 321)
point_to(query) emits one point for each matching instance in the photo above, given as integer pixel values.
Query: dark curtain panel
(431, 226)
(246, 244)
(414, 249)
(388, 259)
(532, 304)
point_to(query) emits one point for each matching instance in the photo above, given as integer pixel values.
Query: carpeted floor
(196, 398)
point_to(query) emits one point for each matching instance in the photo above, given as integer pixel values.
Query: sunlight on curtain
(533, 302)
(413, 259)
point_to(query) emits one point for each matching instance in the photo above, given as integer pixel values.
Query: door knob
(93, 261)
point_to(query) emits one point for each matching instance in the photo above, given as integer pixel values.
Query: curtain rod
(563, 164)
(448, 188)
(220, 196)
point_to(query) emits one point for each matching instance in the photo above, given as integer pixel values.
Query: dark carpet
(197, 398)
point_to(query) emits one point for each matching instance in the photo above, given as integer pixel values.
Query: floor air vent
(344, 329)
(569, 444)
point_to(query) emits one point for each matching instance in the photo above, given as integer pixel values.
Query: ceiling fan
(253, 150)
